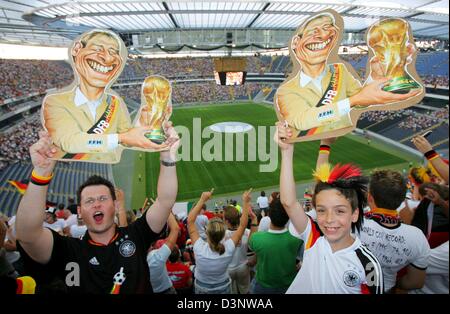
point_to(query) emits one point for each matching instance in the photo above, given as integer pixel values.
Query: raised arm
(288, 194)
(192, 229)
(121, 211)
(253, 221)
(36, 240)
(174, 230)
(246, 198)
(158, 213)
(436, 198)
(324, 151)
(434, 158)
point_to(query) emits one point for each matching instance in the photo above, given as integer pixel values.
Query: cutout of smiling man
(317, 101)
(87, 121)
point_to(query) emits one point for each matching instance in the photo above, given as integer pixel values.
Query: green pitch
(232, 177)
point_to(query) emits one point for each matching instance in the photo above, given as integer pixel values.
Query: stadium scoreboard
(230, 70)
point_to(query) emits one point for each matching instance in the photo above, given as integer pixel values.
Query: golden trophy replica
(389, 39)
(157, 91)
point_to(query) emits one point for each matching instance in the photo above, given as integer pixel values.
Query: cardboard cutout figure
(324, 97)
(87, 120)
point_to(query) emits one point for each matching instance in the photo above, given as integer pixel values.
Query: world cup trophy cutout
(389, 41)
(157, 106)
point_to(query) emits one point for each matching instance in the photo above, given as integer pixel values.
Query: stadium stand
(39, 76)
(67, 178)
(192, 82)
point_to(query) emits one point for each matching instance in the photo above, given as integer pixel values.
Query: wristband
(40, 180)
(430, 155)
(253, 225)
(168, 163)
(324, 149)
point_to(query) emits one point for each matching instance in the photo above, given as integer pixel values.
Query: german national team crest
(127, 248)
(351, 278)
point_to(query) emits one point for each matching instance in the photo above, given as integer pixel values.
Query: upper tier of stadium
(22, 78)
(151, 26)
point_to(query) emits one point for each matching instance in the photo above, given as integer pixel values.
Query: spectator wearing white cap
(51, 222)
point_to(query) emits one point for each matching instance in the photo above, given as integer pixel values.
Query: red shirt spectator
(60, 214)
(179, 274)
(209, 214)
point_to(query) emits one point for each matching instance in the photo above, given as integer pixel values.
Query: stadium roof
(57, 22)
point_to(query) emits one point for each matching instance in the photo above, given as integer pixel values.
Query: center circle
(231, 127)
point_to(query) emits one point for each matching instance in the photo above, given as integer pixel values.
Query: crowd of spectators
(435, 80)
(198, 92)
(377, 116)
(174, 67)
(16, 105)
(129, 92)
(23, 77)
(259, 64)
(411, 119)
(417, 122)
(15, 142)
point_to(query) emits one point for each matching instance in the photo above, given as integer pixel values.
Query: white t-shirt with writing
(395, 247)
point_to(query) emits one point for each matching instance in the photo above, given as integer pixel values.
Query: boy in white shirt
(395, 244)
(334, 261)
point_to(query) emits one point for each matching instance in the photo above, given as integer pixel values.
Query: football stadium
(225, 66)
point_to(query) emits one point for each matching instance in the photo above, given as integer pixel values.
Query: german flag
(21, 187)
(307, 195)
